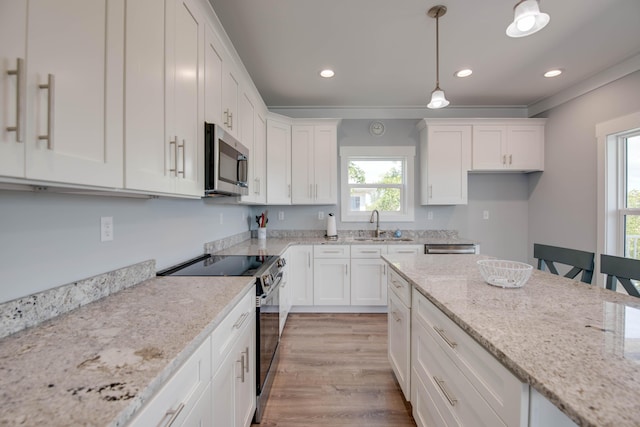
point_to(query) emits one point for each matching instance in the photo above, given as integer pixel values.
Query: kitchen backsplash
(413, 234)
(33, 309)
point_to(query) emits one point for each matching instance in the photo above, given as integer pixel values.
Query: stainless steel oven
(450, 248)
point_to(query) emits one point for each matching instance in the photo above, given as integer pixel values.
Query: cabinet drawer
(181, 393)
(452, 394)
(399, 342)
(228, 331)
(505, 393)
(400, 287)
(405, 249)
(331, 251)
(368, 251)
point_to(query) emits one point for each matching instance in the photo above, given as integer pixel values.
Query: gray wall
(49, 240)
(562, 205)
(505, 196)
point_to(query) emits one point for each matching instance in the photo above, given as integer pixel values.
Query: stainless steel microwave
(226, 163)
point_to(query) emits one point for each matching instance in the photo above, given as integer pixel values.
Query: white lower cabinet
(405, 249)
(216, 386)
(368, 275)
(399, 341)
(331, 275)
(300, 268)
(464, 383)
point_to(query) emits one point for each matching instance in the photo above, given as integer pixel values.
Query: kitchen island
(576, 344)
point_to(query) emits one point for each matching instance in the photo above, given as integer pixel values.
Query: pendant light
(438, 99)
(527, 19)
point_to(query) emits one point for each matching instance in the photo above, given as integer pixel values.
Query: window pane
(632, 236)
(375, 172)
(382, 199)
(633, 172)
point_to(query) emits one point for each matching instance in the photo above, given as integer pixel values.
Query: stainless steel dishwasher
(451, 248)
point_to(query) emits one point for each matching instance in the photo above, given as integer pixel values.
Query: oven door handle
(451, 251)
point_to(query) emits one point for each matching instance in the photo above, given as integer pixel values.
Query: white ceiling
(383, 51)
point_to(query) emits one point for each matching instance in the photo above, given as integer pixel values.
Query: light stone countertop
(577, 344)
(100, 363)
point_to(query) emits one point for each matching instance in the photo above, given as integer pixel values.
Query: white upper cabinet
(164, 105)
(314, 154)
(445, 152)
(230, 97)
(66, 97)
(516, 145)
(213, 59)
(278, 161)
(258, 160)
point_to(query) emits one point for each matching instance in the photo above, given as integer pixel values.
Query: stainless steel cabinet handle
(346, 270)
(431, 191)
(21, 86)
(256, 183)
(332, 252)
(510, 158)
(310, 192)
(368, 252)
(172, 414)
(443, 388)
(231, 121)
(395, 316)
(396, 284)
(246, 352)
(226, 117)
(259, 186)
(51, 93)
(241, 362)
(316, 191)
(384, 269)
(444, 336)
(309, 258)
(175, 155)
(183, 145)
(240, 321)
(504, 159)
(289, 191)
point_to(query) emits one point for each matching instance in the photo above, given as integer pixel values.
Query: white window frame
(406, 154)
(611, 185)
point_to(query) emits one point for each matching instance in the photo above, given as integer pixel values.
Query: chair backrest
(581, 261)
(622, 269)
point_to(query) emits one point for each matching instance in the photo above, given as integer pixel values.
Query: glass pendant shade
(437, 99)
(527, 19)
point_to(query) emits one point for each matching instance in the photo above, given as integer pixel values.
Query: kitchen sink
(383, 239)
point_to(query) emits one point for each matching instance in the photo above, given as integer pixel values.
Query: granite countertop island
(576, 344)
(99, 364)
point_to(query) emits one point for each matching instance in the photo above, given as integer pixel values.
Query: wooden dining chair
(621, 269)
(580, 261)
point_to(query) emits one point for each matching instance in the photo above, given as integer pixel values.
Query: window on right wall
(629, 206)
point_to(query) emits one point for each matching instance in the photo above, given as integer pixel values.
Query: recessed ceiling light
(553, 73)
(464, 73)
(328, 73)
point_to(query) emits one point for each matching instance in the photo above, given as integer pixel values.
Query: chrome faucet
(375, 211)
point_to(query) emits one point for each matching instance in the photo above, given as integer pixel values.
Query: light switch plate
(106, 228)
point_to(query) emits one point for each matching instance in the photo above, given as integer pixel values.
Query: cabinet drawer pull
(240, 320)
(246, 352)
(368, 252)
(21, 86)
(172, 414)
(396, 284)
(331, 252)
(183, 145)
(442, 386)
(395, 316)
(405, 252)
(241, 362)
(444, 336)
(51, 93)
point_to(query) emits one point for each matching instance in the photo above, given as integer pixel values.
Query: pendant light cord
(437, 51)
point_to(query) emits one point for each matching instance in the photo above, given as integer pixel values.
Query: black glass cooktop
(221, 265)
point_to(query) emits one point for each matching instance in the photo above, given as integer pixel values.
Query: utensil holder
(262, 233)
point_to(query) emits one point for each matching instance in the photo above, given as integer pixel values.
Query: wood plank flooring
(334, 371)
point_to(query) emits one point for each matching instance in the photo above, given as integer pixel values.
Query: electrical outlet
(221, 218)
(320, 215)
(106, 228)
(281, 215)
(429, 215)
(485, 214)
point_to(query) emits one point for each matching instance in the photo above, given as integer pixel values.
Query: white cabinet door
(300, 264)
(71, 91)
(445, 161)
(278, 162)
(259, 159)
(13, 24)
(185, 79)
(201, 414)
(368, 281)
(223, 390)
(247, 138)
(325, 161)
(489, 147)
(331, 281)
(302, 173)
(526, 147)
(230, 97)
(213, 54)
(146, 148)
(399, 347)
(245, 388)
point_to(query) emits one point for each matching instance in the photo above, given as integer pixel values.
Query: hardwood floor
(334, 371)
